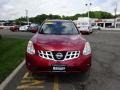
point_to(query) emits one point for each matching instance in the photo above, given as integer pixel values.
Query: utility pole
(27, 18)
(88, 5)
(115, 12)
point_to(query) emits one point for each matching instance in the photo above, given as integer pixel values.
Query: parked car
(96, 27)
(110, 26)
(84, 25)
(1, 27)
(58, 47)
(33, 28)
(23, 28)
(14, 28)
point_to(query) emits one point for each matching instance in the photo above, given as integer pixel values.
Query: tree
(40, 18)
(20, 20)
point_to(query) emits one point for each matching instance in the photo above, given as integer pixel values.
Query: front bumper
(36, 64)
(84, 32)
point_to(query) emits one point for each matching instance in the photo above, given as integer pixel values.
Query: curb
(13, 79)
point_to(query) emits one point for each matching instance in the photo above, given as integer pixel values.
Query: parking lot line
(23, 87)
(56, 84)
(29, 82)
(26, 74)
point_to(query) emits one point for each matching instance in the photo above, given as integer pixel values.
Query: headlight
(87, 49)
(30, 48)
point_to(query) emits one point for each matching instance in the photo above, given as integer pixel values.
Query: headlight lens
(87, 49)
(30, 48)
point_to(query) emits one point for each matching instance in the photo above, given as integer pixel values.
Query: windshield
(58, 28)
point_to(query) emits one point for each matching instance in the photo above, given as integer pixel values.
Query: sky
(12, 9)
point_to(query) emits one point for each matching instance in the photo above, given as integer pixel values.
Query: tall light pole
(27, 18)
(115, 11)
(88, 5)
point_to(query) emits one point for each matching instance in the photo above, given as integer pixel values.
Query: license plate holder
(59, 68)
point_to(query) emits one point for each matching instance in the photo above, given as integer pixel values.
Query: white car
(85, 29)
(84, 25)
(24, 28)
(96, 27)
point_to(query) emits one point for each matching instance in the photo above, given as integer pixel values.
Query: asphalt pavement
(104, 73)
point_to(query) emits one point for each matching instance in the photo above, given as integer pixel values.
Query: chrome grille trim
(72, 55)
(68, 56)
(46, 55)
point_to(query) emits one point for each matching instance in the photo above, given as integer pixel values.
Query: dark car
(14, 28)
(58, 47)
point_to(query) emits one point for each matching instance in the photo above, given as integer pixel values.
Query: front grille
(46, 54)
(72, 55)
(59, 55)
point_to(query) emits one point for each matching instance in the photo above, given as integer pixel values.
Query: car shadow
(65, 78)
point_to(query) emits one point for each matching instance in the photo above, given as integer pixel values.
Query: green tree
(40, 18)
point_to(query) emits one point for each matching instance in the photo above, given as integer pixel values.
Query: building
(118, 22)
(105, 23)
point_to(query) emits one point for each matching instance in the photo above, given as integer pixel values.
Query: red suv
(58, 47)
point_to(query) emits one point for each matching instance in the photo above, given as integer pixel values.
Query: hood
(58, 42)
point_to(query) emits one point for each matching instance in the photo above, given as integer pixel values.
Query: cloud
(3, 2)
(11, 9)
(109, 6)
(96, 8)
